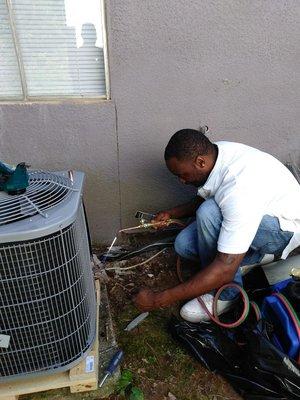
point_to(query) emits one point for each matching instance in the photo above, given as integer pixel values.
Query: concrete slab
(281, 270)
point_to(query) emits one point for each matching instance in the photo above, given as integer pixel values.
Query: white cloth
(247, 184)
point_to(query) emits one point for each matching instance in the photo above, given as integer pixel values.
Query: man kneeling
(248, 205)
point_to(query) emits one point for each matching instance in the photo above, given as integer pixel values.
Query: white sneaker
(192, 311)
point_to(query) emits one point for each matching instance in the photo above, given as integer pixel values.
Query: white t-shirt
(247, 184)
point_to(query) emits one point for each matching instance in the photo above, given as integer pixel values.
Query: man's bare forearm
(218, 273)
(186, 210)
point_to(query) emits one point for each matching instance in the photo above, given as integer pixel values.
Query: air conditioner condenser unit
(47, 296)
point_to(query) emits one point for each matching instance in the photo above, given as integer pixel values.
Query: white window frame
(26, 98)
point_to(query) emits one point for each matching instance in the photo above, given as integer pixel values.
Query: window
(52, 48)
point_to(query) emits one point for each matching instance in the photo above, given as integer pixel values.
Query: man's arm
(182, 211)
(218, 273)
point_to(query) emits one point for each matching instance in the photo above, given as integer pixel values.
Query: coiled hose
(214, 315)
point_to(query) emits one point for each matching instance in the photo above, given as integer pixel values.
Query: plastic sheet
(243, 356)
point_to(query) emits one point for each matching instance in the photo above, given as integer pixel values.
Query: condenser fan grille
(45, 191)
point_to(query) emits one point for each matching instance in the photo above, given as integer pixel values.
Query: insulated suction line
(141, 226)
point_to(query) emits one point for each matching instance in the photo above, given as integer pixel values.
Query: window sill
(57, 100)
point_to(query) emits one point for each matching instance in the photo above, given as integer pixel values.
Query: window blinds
(10, 82)
(54, 63)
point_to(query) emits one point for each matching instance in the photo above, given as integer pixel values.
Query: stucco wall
(233, 65)
(69, 135)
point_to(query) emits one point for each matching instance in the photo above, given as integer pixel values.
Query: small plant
(136, 394)
(126, 389)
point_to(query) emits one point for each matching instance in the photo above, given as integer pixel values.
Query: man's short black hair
(187, 144)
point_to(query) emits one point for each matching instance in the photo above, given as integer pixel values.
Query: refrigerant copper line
(141, 226)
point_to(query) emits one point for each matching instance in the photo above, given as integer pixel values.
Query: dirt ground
(160, 367)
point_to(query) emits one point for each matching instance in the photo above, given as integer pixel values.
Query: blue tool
(112, 366)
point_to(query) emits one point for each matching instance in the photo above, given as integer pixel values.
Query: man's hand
(218, 273)
(161, 219)
(145, 300)
(184, 210)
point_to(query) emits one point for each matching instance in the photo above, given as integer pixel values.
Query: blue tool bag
(280, 310)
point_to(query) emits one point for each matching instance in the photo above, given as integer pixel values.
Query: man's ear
(200, 162)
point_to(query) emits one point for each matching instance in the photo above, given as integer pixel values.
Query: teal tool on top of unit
(13, 180)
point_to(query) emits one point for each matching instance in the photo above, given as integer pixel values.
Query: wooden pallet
(77, 378)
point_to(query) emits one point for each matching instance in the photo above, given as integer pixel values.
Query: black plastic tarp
(243, 356)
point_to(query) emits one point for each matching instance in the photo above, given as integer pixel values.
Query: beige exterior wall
(233, 65)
